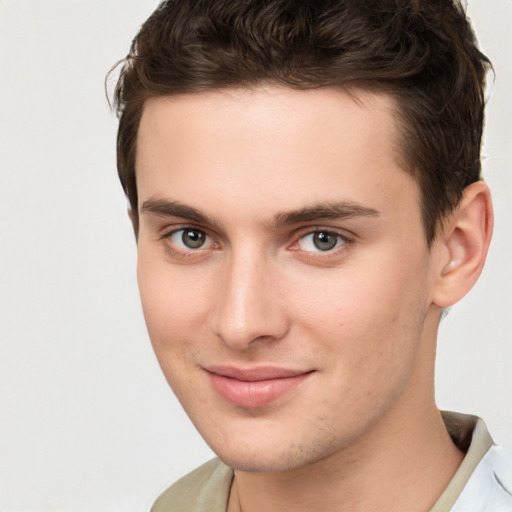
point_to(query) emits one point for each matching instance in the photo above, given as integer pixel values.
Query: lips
(254, 387)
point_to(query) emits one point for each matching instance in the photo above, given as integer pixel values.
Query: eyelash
(343, 242)
(183, 253)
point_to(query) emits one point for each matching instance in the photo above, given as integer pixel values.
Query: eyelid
(186, 252)
(347, 237)
(311, 240)
(170, 230)
(175, 237)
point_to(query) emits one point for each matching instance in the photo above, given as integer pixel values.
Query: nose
(249, 307)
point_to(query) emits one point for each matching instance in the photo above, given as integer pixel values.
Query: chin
(258, 463)
(275, 457)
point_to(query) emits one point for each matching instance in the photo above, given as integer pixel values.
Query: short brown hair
(423, 53)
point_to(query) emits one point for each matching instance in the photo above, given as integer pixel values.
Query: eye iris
(192, 238)
(325, 241)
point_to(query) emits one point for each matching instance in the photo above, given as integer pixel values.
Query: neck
(385, 470)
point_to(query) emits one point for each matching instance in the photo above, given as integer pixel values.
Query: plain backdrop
(87, 422)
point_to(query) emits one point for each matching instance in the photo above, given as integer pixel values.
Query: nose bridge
(248, 305)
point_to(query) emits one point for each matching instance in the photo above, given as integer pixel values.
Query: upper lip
(255, 374)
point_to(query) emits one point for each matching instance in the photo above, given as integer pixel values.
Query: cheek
(170, 305)
(171, 298)
(370, 316)
(175, 308)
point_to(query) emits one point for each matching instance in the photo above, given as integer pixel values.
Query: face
(283, 269)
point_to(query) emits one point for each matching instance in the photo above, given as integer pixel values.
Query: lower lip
(253, 394)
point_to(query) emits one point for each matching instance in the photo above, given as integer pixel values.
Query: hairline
(352, 88)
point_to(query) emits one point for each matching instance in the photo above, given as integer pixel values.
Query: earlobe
(464, 241)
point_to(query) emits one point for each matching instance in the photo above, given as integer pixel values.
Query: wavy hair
(422, 53)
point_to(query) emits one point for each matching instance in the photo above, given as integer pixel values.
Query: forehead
(270, 145)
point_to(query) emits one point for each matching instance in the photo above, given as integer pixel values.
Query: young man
(304, 182)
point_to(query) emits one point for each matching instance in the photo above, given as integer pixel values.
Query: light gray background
(87, 422)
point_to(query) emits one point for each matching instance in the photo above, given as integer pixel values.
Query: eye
(190, 238)
(322, 241)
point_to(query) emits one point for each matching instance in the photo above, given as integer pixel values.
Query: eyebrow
(166, 208)
(325, 210)
(315, 212)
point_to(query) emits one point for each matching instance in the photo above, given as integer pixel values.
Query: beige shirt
(474, 487)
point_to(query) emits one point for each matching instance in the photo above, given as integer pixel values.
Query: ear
(462, 245)
(134, 219)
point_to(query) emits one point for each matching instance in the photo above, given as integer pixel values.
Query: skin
(248, 170)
